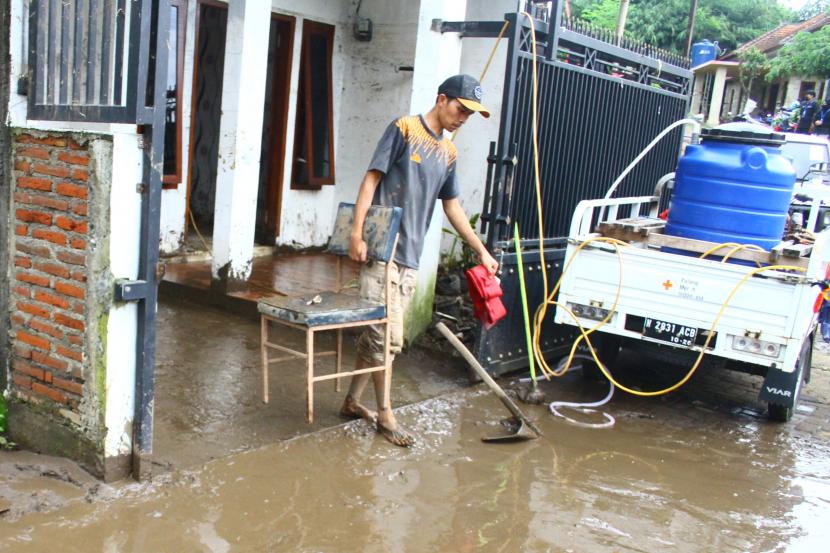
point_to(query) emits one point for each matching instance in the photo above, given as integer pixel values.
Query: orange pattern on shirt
(422, 141)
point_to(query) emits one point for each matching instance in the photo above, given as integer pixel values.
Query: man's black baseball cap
(467, 90)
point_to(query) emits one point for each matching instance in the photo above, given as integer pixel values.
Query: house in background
(718, 92)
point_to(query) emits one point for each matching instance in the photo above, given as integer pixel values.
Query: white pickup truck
(669, 301)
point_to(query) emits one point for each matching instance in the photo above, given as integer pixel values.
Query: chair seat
(334, 308)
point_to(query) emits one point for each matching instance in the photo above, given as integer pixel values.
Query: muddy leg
(387, 426)
(352, 408)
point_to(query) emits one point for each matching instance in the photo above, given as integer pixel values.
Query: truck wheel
(781, 413)
(608, 349)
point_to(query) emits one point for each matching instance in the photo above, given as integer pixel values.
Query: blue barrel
(704, 51)
(735, 186)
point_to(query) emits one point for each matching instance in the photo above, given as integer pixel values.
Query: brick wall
(49, 275)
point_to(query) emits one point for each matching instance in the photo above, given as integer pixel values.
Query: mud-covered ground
(697, 470)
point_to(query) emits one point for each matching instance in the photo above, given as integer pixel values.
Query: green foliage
(664, 23)
(4, 442)
(603, 13)
(753, 64)
(467, 257)
(3, 412)
(807, 54)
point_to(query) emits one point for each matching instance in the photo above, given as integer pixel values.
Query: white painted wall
(125, 220)
(17, 46)
(437, 56)
(375, 90)
(793, 88)
(473, 140)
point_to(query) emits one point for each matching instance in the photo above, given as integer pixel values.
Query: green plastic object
(523, 291)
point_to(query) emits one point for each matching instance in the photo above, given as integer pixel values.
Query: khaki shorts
(372, 275)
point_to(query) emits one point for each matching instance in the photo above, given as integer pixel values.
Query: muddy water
(652, 483)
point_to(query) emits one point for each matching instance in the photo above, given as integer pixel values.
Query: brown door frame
(192, 130)
(279, 119)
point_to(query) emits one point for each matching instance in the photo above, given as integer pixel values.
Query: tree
(602, 13)
(753, 65)
(663, 23)
(806, 54)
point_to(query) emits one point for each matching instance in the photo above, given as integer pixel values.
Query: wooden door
(274, 128)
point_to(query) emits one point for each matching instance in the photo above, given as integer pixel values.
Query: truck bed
(671, 298)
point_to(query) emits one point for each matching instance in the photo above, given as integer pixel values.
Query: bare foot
(354, 410)
(397, 435)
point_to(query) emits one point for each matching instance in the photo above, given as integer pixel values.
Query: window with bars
(83, 59)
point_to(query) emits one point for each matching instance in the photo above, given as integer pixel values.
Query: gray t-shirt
(418, 168)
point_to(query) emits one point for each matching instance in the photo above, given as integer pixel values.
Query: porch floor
(287, 274)
(208, 375)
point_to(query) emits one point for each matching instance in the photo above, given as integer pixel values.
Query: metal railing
(84, 59)
(588, 29)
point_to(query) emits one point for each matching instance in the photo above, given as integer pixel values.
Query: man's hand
(358, 249)
(489, 262)
(461, 224)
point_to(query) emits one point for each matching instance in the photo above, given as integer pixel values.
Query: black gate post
(492, 212)
(150, 113)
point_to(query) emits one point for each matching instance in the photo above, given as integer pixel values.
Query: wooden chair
(318, 312)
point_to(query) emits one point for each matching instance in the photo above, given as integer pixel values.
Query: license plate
(672, 333)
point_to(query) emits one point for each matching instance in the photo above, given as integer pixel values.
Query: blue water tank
(704, 51)
(735, 186)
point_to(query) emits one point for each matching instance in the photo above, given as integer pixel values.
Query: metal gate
(599, 104)
(105, 61)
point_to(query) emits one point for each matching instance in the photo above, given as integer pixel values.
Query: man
(823, 118)
(809, 110)
(414, 165)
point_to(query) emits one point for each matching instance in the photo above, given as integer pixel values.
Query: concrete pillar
(793, 88)
(697, 93)
(240, 135)
(717, 97)
(437, 57)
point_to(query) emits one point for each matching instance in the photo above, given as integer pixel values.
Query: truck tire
(781, 413)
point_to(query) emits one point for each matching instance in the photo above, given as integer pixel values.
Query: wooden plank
(702, 246)
(350, 373)
(796, 250)
(633, 229)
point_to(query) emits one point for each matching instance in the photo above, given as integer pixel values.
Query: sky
(794, 4)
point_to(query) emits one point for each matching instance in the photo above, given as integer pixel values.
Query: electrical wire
(487, 65)
(196, 228)
(647, 149)
(586, 408)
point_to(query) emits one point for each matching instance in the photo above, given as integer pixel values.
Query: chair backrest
(379, 231)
